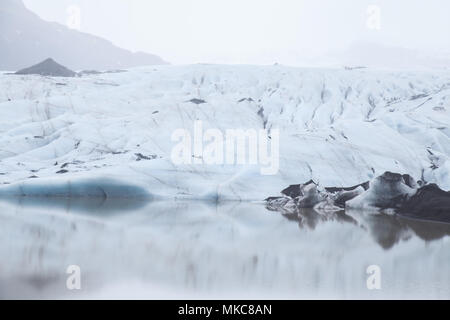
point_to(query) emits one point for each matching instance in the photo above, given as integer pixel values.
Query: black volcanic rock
(388, 191)
(294, 190)
(25, 38)
(343, 196)
(197, 101)
(429, 203)
(364, 185)
(296, 196)
(409, 181)
(48, 67)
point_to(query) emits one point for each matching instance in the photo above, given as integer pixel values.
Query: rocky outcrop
(429, 202)
(26, 38)
(390, 193)
(304, 195)
(48, 67)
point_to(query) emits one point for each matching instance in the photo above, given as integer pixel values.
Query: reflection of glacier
(194, 249)
(338, 127)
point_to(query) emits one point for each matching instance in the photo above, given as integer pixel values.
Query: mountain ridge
(25, 38)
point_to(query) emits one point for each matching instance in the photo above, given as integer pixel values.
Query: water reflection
(209, 250)
(386, 230)
(93, 206)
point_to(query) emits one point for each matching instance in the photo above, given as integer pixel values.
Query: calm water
(197, 250)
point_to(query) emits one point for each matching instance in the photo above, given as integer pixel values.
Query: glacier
(338, 127)
(86, 178)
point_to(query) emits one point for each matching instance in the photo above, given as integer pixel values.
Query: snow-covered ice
(338, 127)
(102, 145)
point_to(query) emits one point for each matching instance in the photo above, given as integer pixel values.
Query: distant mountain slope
(26, 39)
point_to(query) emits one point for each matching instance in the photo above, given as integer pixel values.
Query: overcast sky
(255, 31)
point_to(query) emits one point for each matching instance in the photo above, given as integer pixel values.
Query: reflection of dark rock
(427, 230)
(310, 218)
(276, 203)
(429, 202)
(48, 68)
(386, 230)
(308, 206)
(41, 281)
(390, 230)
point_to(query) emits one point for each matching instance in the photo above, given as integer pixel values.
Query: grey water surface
(180, 250)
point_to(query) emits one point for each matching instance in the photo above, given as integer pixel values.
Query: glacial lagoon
(197, 250)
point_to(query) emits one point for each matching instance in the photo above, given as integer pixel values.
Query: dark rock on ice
(343, 196)
(297, 196)
(391, 192)
(197, 101)
(245, 99)
(430, 203)
(48, 68)
(409, 181)
(310, 196)
(140, 157)
(294, 190)
(277, 203)
(388, 191)
(89, 72)
(364, 185)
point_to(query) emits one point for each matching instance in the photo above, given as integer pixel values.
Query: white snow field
(80, 136)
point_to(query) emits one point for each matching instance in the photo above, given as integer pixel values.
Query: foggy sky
(255, 31)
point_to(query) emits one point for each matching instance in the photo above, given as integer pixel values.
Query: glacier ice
(337, 127)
